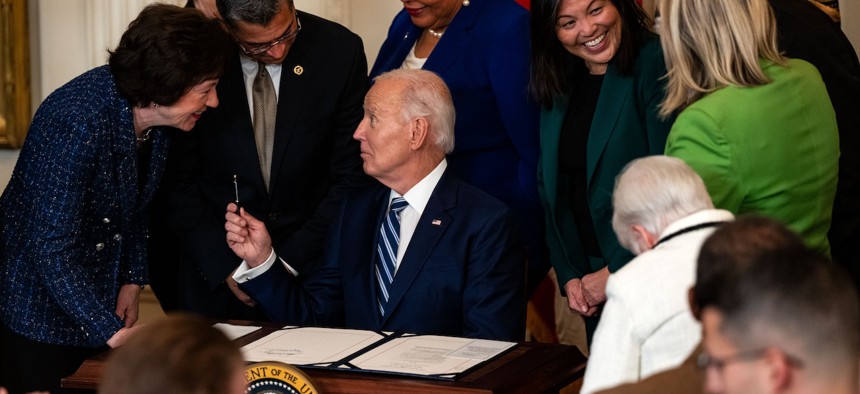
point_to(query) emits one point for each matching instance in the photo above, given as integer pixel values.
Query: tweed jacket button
(117, 237)
(106, 220)
(100, 246)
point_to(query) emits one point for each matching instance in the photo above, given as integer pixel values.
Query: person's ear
(644, 240)
(694, 307)
(780, 373)
(419, 129)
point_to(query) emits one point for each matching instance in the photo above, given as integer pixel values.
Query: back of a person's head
(653, 192)
(178, 354)
(425, 94)
(729, 252)
(711, 44)
(800, 303)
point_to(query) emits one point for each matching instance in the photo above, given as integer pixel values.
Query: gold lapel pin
(298, 70)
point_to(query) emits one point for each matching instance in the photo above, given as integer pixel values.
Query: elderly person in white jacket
(662, 214)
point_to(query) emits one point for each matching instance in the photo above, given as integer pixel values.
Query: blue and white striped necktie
(386, 249)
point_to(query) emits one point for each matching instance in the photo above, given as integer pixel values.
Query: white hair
(426, 95)
(653, 192)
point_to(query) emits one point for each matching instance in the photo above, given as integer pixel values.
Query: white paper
(481, 349)
(430, 355)
(309, 345)
(234, 331)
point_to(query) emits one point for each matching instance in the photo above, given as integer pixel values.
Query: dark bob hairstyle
(552, 64)
(165, 52)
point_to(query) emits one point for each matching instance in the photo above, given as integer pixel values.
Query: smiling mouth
(595, 42)
(413, 11)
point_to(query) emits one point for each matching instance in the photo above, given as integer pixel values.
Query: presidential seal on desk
(272, 377)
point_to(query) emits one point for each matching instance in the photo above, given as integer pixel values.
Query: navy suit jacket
(483, 57)
(462, 274)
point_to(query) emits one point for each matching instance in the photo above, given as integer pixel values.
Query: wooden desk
(529, 367)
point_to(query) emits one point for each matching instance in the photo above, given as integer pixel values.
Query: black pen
(236, 189)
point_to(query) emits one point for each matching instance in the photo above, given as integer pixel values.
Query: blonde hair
(711, 44)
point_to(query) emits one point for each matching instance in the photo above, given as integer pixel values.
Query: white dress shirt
(417, 197)
(249, 71)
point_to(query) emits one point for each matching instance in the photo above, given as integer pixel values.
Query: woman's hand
(122, 336)
(575, 300)
(128, 303)
(594, 287)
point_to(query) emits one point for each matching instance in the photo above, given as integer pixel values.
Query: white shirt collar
(419, 195)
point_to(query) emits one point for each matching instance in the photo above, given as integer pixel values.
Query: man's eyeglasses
(706, 361)
(256, 49)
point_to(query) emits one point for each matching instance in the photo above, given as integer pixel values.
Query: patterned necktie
(265, 110)
(386, 249)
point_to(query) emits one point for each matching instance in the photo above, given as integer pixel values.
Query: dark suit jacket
(315, 161)
(626, 126)
(484, 59)
(804, 32)
(460, 276)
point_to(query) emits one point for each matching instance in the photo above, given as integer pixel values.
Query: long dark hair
(551, 63)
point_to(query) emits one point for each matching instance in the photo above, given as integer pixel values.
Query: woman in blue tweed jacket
(73, 216)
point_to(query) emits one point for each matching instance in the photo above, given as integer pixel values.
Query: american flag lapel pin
(436, 222)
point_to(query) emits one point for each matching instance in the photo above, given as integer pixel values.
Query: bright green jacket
(771, 149)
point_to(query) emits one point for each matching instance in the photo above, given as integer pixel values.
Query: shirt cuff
(245, 273)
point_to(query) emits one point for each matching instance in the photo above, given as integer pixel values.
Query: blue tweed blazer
(73, 225)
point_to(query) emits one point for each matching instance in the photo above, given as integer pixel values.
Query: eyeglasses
(706, 361)
(256, 49)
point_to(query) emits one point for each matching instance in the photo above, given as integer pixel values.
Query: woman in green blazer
(759, 128)
(596, 69)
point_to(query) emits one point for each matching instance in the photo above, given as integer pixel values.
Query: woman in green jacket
(596, 70)
(758, 127)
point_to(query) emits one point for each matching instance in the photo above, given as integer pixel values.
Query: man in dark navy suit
(425, 254)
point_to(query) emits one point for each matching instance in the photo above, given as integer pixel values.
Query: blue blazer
(73, 222)
(483, 57)
(626, 126)
(462, 274)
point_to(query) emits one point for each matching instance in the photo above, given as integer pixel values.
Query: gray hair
(426, 95)
(653, 192)
(257, 12)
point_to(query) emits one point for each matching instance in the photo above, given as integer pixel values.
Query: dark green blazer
(626, 126)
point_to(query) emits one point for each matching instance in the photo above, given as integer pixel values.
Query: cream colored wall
(850, 11)
(69, 37)
(72, 36)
